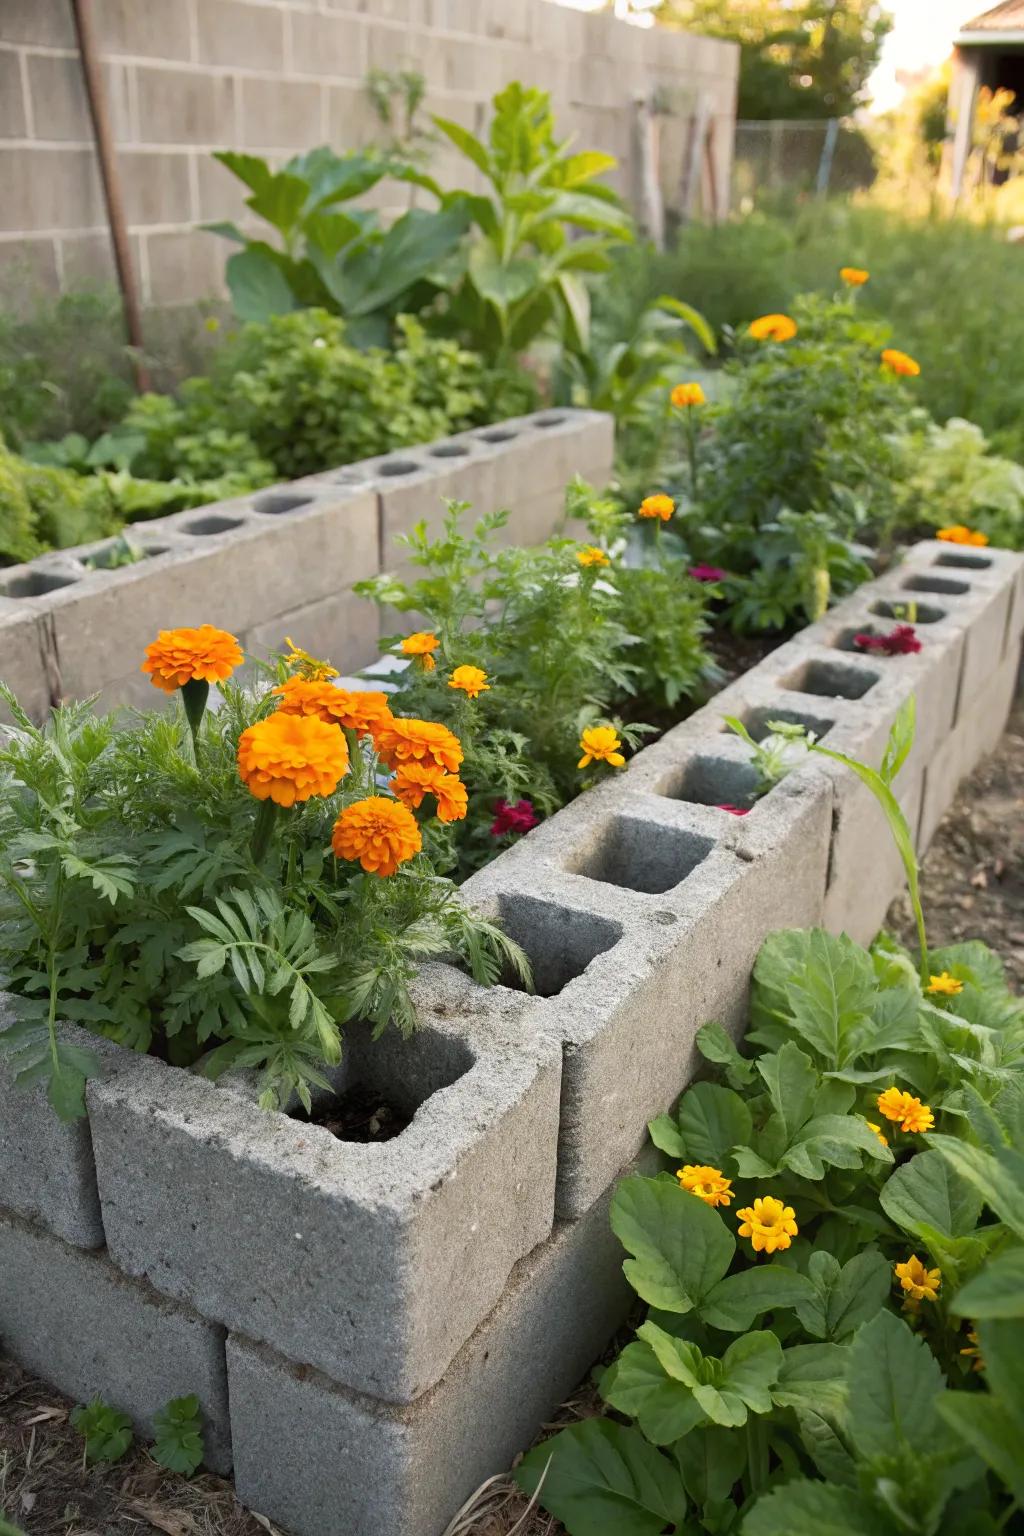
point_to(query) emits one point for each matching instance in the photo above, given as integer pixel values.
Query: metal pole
(827, 156)
(96, 94)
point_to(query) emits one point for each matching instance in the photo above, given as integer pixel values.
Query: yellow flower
(600, 744)
(770, 1225)
(379, 832)
(900, 362)
(944, 985)
(908, 1111)
(919, 1283)
(412, 781)
(180, 656)
(879, 1133)
(289, 758)
(421, 644)
(307, 666)
(973, 1351)
(399, 740)
(687, 394)
(772, 328)
(471, 680)
(657, 506)
(854, 277)
(591, 555)
(351, 709)
(959, 533)
(708, 1184)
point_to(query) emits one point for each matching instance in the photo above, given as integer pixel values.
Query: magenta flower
(707, 573)
(901, 641)
(734, 810)
(513, 818)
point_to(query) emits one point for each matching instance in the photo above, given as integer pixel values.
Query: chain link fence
(790, 155)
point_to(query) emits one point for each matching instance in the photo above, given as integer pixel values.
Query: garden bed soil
(973, 887)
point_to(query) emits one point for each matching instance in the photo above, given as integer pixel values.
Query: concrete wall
(185, 77)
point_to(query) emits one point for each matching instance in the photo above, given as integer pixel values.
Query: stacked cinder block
(282, 561)
(393, 1322)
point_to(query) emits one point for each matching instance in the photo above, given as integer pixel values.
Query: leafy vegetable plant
(106, 1432)
(179, 1439)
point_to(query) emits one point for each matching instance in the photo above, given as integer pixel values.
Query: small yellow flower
(421, 644)
(879, 1133)
(591, 555)
(657, 506)
(769, 1224)
(471, 680)
(919, 1283)
(600, 744)
(772, 328)
(307, 666)
(686, 395)
(908, 1111)
(211, 323)
(973, 1351)
(708, 1184)
(959, 533)
(944, 985)
(854, 277)
(900, 363)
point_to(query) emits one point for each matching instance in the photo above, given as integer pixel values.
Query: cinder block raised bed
(281, 561)
(396, 1320)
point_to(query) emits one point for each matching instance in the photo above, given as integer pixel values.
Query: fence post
(827, 156)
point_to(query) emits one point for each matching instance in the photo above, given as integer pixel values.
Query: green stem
(194, 695)
(757, 1453)
(691, 443)
(265, 818)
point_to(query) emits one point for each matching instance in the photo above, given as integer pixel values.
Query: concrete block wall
(274, 77)
(280, 562)
(396, 1321)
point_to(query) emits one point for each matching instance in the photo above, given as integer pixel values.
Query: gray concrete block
(320, 1460)
(23, 657)
(342, 629)
(46, 1164)
(71, 1318)
(373, 1262)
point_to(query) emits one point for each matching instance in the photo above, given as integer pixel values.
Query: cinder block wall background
(185, 77)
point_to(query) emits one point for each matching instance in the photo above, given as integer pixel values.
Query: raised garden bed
(393, 1321)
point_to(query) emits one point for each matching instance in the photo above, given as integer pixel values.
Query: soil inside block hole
(831, 680)
(361, 1114)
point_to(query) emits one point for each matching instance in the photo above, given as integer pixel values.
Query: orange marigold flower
(413, 741)
(600, 744)
(959, 533)
(414, 780)
(355, 711)
(307, 666)
(289, 758)
(708, 1184)
(421, 644)
(920, 1284)
(657, 506)
(908, 1111)
(591, 555)
(471, 680)
(379, 832)
(770, 1225)
(901, 363)
(180, 656)
(686, 395)
(854, 277)
(772, 328)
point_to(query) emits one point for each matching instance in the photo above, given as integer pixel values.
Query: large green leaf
(502, 283)
(465, 142)
(833, 993)
(716, 1045)
(844, 1297)
(812, 1378)
(792, 1081)
(604, 1479)
(691, 317)
(585, 166)
(998, 1291)
(576, 303)
(927, 1194)
(712, 1120)
(681, 1247)
(823, 1443)
(840, 1141)
(987, 1426)
(407, 252)
(725, 1389)
(637, 1384)
(259, 288)
(813, 1509)
(736, 1301)
(998, 1178)
(252, 169)
(712, 1460)
(894, 1381)
(280, 201)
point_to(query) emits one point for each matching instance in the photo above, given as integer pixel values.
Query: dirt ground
(973, 887)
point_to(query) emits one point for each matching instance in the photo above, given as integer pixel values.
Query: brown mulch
(973, 887)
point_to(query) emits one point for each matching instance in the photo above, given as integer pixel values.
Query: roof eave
(969, 39)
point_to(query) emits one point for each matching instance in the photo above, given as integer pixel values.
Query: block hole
(560, 941)
(213, 524)
(642, 856)
(497, 435)
(548, 421)
(924, 613)
(449, 451)
(110, 556)
(757, 721)
(276, 502)
(831, 680)
(36, 583)
(395, 467)
(711, 781)
(844, 640)
(936, 584)
(967, 562)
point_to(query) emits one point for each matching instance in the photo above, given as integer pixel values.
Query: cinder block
(244, 36)
(375, 1262)
(330, 45)
(279, 113)
(71, 1318)
(178, 106)
(49, 189)
(23, 657)
(320, 1460)
(180, 269)
(975, 736)
(39, 21)
(157, 32)
(12, 105)
(342, 629)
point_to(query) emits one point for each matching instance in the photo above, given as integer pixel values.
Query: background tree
(798, 58)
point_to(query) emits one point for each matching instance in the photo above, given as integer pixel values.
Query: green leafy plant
(949, 476)
(179, 1439)
(106, 1432)
(776, 755)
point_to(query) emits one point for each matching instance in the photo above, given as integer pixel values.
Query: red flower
(707, 573)
(734, 810)
(513, 818)
(902, 641)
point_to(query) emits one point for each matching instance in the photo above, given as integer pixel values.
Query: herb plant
(179, 1436)
(106, 1432)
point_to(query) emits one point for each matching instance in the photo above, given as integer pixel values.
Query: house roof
(1007, 17)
